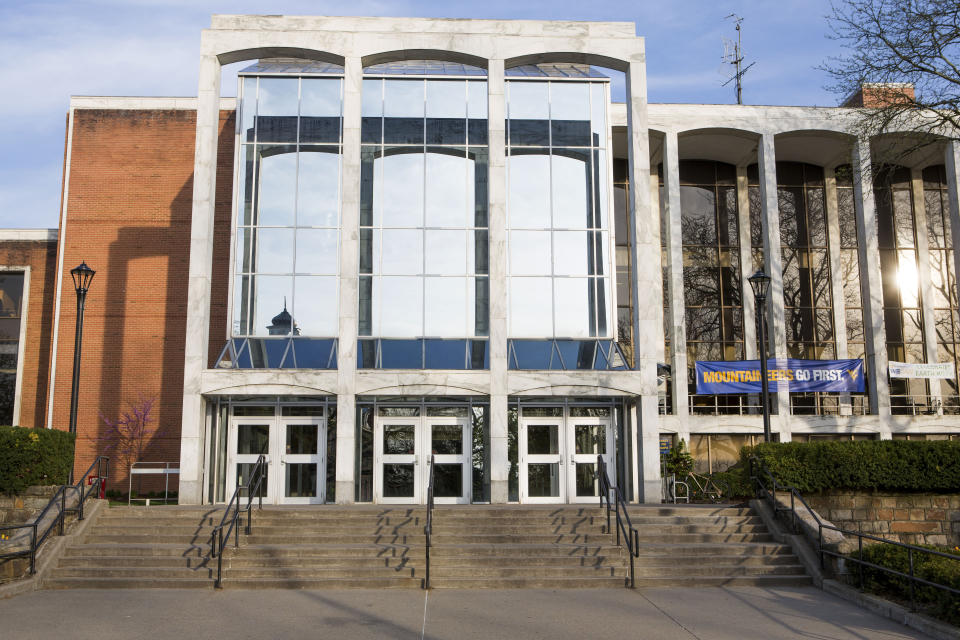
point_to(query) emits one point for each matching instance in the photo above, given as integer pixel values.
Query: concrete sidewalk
(707, 614)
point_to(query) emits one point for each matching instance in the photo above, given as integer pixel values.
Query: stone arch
(576, 57)
(719, 144)
(444, 55)
(256, 53)
(820, 147)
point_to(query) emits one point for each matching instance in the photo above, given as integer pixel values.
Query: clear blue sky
(50, 50)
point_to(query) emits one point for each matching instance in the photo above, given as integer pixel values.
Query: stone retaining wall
(908, 518)
(25, 507)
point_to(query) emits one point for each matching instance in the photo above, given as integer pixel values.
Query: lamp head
(82, 276)
(760, 283)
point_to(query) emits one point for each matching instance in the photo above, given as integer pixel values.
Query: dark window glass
(401, 354)
(445, 354)
(531, 354)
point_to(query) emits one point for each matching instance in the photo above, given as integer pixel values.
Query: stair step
(722, 581)
(382, 582)
(127, 583)
(599, 582)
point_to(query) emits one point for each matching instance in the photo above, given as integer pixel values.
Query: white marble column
(836, 280)
(349, 283)
(871, 282)
(773, 266)
(647, 282)
(497, 229)
(674, 244)
(196, 345)
(925, 282)
(746, 270)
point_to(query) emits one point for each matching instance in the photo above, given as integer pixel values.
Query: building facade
(415, 244)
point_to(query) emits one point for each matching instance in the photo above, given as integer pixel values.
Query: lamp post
(760, 283)
(82, 276)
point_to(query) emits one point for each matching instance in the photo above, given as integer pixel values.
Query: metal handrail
(757, 472)
(97, 483)
(428, 527)
(623, 521)
(217, 536)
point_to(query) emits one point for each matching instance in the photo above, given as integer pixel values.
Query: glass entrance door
(398, 454)
(402, 450)
(451, 444)
(588, 438)
(248, 439)
(302, 461)
(541, 453)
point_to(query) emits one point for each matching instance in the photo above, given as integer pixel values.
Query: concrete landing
(703, 614)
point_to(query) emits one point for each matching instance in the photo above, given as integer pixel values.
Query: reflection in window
(713, 317)
(558, 230)
(850, 266)
(942, 277)
(901, 288)
(11, 299)
(288, 177)
(423, 211)
(623, 241)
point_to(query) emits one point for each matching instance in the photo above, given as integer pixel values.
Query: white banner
(936, 370)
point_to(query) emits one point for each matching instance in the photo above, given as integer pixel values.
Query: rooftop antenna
(733, 54)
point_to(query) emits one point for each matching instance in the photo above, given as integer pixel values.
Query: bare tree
(899, 41)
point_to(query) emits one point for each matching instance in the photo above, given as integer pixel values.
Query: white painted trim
(24, 306)
(28, 235)
(60, 250)
(144, 103)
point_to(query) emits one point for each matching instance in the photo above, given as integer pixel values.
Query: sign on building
(789, 374)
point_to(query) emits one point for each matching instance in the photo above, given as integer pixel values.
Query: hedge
(940, 603)
(884, 465)
(34, 457)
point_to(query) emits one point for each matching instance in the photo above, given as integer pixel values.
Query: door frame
(465, 455)
(587, 458)
(558, 458)
(319, 458)
(233, 458)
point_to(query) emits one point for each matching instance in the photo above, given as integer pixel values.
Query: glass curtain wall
(288, 214)
(756, 218)
(713, 315)
(423, 222)
(901, 287)
(850, 274)
(664, 388)
(807, 294)
(11, 308)
(558, 228)
(623, 240)
(942, 279)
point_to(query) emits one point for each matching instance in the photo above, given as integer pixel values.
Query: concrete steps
(476, 546)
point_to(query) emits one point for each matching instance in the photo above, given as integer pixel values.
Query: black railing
(229, 523)
(39, 533)
(766, 488)
(428, 527)
(619, 507)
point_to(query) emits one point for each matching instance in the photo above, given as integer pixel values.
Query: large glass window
(850, 268)
(942, 278)
(423, 213)
(623, 242)
(288, 213)
(713, 316)
(558, 230)
(11, 307)
(902, 313)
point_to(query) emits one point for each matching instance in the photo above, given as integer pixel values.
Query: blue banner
(743, 376)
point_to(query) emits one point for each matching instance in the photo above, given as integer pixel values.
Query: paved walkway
(706, 614)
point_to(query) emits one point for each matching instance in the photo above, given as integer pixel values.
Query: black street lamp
(82, 276)
(760, 283)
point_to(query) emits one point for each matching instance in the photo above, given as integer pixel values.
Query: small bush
(937, 602)
(34, 457)
(870, 465)
(737, 480)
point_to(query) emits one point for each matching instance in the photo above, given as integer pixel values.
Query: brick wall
(909, 518)
(128, 216)
(41, 257)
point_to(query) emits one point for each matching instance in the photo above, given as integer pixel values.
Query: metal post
(860, 556)
(764, 383)
(63, 508)
(77, 347)
(913, 602)
(33, 549)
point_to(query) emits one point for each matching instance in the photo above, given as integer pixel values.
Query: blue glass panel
(479, 355)
(366, 354)
(401, 354)
(445, 354)
(243, 355)
(532, 354)
(600, 361)
(577, 354)
(267, 354)
(314, 354)
(371, 130)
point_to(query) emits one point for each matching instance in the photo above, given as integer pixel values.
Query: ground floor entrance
(558, 453)
(544, 450)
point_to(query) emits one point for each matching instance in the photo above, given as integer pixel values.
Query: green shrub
(884, 465)
(940, 603)
(34, 457)
(737, 480)
(678, 461)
